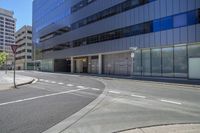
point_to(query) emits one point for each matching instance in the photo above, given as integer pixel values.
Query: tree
(3, 57)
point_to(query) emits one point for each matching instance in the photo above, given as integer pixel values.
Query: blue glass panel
(166, 23)
(180, 20)
(192, 17)
(156, 25)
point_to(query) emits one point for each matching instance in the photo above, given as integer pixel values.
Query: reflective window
(194, 50)
(192, 17)
(180, 20)
(146, 68)
(137, 63)
(156, 25)
(167, 62)
(180, 61)
(166, 23)
(156, 62)
(199, 16)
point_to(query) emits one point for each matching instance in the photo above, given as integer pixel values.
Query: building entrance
(81, 65)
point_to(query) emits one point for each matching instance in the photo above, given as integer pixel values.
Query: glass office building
(97, 36)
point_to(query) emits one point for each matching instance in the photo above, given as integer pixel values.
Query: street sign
(14, 48)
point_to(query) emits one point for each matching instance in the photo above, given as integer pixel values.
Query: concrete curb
(34, 80)
(67, 123)
(166, 128)
(29, 82)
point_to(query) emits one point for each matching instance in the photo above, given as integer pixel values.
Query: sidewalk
(114, 112)
(6, 80)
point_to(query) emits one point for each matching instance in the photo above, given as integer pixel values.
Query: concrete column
(89, 64)
(100, 63)
(72, 64)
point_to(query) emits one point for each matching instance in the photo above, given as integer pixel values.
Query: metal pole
(14, 71)
(6, 64)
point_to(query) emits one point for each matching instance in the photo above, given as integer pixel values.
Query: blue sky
(22, 11)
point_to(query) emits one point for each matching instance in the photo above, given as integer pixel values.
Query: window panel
(194, 50)
(146, 69)
(167, 62)
(156, 62)
(180, 20)
(137, 63)
(156, 25)
(192, 17)
(166, 23)
(180, 61)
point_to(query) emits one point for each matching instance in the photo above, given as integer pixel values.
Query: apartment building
(7, 32)
(24, 52)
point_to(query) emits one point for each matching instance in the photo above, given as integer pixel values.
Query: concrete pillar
(100, 63)
(72, 64)
(89, 64)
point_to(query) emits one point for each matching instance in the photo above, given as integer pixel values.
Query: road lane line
(53, 82)
(70, 85)
(41, 79)
(46, 81)
(60, 83)
(95, 89)
(138, 96)
(168, 101)
(114, 92)
(43, 96)
(81, 87)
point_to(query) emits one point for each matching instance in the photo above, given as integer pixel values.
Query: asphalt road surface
(129, 104)
(37, 107)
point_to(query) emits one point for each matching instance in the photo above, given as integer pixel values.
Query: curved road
(37, 107)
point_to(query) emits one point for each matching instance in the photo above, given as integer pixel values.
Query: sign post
(14, 49)
(6, 64)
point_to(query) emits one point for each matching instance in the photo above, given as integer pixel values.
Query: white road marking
(60, 83)
(81, 87)
(95, 89)
(70, 85)
(138, 96)
(53, 82)
(41, 79)
(168, 101)
(115, 92)
(33, 98)
(46, 81)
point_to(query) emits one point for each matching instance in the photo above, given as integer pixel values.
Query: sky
(22, 11)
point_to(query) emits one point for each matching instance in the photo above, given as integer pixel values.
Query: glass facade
(146, 69)
(137, 63)
(156, 62)
(161, 24)
(180, 61)
(47, 65)
(166, 62)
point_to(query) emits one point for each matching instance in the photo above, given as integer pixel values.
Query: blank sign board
(194, 68)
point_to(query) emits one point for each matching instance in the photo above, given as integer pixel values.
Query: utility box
(194, 68)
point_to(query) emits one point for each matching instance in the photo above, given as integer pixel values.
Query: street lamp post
(133, 49)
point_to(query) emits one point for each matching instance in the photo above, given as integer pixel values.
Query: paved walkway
(6, 80)
(180, 128)
(129, 104)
